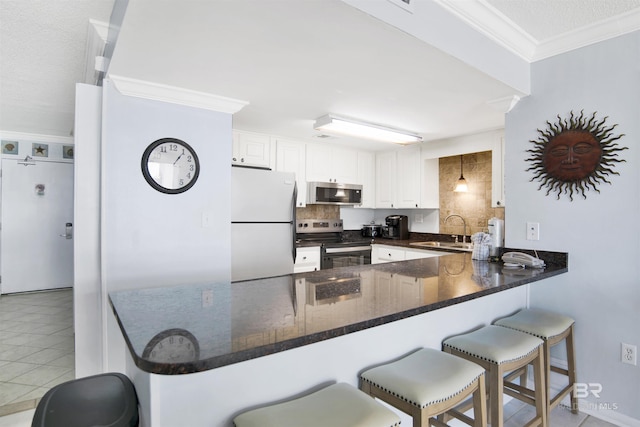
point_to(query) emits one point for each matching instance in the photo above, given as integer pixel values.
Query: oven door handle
(348, 249)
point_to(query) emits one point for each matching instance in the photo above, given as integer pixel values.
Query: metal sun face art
(574, 155)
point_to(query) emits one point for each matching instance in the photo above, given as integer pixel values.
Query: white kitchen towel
(480, 246)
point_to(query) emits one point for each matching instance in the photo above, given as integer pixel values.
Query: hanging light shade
(461, 185)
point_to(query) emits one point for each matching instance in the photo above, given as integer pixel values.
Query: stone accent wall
(475, 205)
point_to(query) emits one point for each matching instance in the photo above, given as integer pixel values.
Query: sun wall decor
(574, 155)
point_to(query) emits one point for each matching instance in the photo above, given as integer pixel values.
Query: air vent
(405, 4)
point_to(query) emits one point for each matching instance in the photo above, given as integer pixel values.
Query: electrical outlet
(629, 354)
(533, 231)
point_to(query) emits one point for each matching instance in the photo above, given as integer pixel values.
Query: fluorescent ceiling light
(340, 125)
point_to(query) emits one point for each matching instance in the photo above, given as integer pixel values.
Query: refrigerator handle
(293, 220)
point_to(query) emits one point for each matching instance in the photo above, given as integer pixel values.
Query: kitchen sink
(467, 247)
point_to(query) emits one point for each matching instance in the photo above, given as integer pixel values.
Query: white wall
(602, 289)
(87, 293)
(149, 238)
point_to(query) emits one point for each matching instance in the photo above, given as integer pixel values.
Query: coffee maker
(397, 227)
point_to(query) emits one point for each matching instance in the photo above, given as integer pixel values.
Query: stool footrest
(515, 374)
(520, 394)
(561, 394)
(559, 370)
(462, 417)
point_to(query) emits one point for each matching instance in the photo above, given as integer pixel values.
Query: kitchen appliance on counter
(334, 193)
(263, 213)
(371, 230)
(496, 231)
(397, 227)
(334, 250)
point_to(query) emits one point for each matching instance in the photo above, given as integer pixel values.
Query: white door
(37, 218)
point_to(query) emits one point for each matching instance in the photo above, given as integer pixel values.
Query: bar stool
(99, 400)
(429, 383)
(339, 405)
(552, 328)
(501, 351)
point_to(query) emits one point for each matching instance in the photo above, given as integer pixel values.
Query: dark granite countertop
(193, 328)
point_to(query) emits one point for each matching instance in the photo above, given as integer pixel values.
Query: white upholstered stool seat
(501, 351)
(552, 328)
(428, 383)
(338, 405)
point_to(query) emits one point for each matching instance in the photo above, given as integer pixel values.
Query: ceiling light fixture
(340, 125)
(461, 185)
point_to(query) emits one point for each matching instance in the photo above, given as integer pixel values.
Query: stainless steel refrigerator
(263, 231)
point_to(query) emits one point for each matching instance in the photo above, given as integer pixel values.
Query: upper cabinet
(367, 178)
(290, 157)
(252, 149)
(404, 179)
(327, 163)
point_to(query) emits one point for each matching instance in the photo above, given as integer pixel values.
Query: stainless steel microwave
(334, 193)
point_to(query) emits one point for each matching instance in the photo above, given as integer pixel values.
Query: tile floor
(37, 352)
(36, 346)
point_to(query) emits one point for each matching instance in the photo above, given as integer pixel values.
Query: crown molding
(97, 33)
(484, 18)
(176, 95)
(36, 137)
(600, 31)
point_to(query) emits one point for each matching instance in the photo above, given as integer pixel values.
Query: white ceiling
(293, 61)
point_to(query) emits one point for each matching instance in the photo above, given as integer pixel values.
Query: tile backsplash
(318, 212)
(475, 205)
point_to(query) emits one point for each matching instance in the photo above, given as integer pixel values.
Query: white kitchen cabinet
(291, 157)
(367, 178)
(421, 253)
(430, 183)
(400, 179)
(408, 184)
(384, 253)
(307, 259)
(327, 163)
(251, 149)
(385, 179)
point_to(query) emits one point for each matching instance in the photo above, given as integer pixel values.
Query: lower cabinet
(384, 253)
(307, 259)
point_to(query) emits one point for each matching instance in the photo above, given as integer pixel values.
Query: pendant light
(461, 185)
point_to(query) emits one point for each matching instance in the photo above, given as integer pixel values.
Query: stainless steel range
(335, 251)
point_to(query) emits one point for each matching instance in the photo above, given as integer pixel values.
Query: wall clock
(172, 346)
(170, 165)
(574, 155)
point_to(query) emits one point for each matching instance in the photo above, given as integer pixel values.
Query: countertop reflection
(232, 322)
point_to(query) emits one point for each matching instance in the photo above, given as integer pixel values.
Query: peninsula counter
(199, 354)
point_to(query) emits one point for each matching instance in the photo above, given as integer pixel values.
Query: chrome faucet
(464, 233)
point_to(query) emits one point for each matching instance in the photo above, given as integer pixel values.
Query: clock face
(172, 346)
(170, 165)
